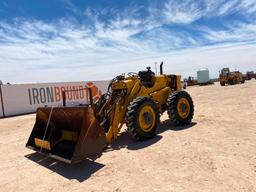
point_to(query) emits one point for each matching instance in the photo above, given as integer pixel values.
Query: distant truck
(249, 75)
(230, 78)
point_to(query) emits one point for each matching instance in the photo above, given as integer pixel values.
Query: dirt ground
(216, 153)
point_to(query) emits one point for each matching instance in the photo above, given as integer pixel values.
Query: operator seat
(147, 78)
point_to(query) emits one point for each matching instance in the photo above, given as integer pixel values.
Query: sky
(76, 40)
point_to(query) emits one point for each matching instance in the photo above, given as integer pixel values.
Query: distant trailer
(249, 75)
(207, 83)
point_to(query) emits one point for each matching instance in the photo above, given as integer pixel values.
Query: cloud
(182, 11)
(228, 7)
(189, 11)
(238, 32)
(72, 7)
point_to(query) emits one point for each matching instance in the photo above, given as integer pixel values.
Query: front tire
(142, 118)
(180, 108)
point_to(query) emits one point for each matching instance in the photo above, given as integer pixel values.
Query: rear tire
(222, 83)
(142, 118)
(180, 108)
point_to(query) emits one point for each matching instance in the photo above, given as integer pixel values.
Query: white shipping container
(203, 76)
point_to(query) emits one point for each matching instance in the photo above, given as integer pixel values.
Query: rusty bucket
(69, 134)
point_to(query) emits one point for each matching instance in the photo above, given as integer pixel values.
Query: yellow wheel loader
(71, 134)
(230, 78)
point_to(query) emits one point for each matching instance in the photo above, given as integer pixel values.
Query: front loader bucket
(69, 134)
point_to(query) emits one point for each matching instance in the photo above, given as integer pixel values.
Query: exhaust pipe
(161, 68)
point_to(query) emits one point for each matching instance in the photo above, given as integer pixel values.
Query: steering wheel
(132, 74)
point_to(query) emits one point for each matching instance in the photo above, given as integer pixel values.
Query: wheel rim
(183, 108)
(147, 118)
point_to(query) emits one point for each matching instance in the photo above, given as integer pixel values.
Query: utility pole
(156, 67)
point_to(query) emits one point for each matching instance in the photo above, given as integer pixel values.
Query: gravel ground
(216, 153)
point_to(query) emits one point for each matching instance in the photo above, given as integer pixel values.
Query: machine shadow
(80, 171)
(169, 125)
(125, 140)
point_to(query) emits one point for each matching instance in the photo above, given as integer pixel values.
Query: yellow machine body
(163, 86)
(230, 78)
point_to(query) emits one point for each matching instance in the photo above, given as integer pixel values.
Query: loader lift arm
(122, 91)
